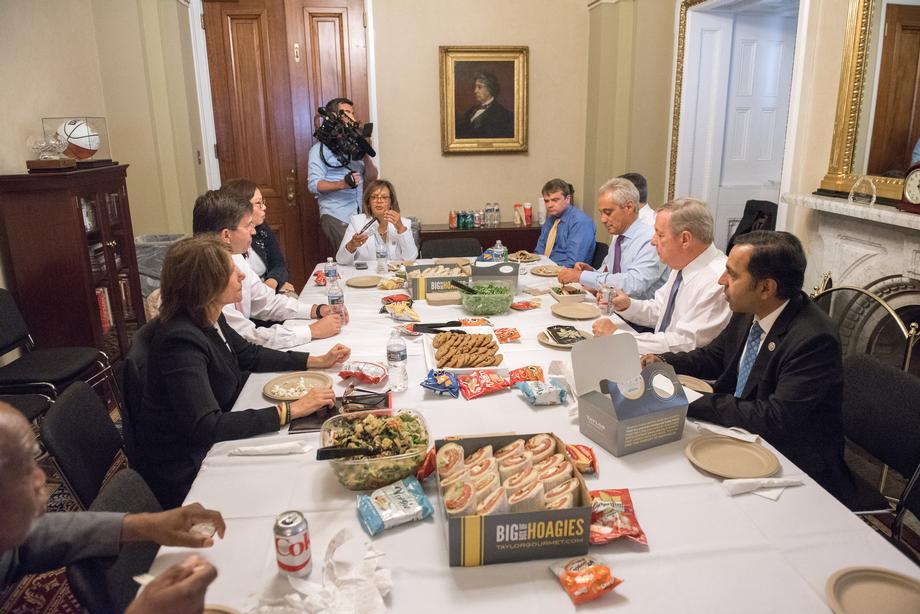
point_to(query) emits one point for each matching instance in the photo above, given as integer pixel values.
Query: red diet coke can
(292, 544)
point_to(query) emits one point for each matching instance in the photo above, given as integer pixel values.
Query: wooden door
(269, 62)
(331, 63)
(897, 108)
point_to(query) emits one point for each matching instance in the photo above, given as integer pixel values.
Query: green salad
(490, 299)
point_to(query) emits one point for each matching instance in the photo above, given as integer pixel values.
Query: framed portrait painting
(483, 99)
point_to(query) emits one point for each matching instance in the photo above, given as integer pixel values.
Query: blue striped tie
(750, 355)
(669, 310)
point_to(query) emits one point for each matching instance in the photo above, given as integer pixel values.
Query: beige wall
(407, 36)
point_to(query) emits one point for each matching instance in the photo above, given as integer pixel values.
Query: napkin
(734, 432)
(769, 488)
(274, 449)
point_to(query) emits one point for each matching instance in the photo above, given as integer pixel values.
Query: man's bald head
(22, 482)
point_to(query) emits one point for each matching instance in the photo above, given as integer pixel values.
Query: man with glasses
(336, 187)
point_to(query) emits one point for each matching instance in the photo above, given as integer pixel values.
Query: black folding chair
(446, 248)
(106, 585)
(82, 439)
(600, 252)
(134, 376)
(758, 215)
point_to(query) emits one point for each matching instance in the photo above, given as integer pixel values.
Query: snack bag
(393, 505)
(474, 322)
(507, 335)
(526, 305)
(319, 278)
(428, 465)
(612, 517)
(367, 372)
(442, 382)
(397, 298)
(530, 373)
(391, 283)
(540, 393)
(584, 578)
(583, 458)
(402, 312)
(479, 383)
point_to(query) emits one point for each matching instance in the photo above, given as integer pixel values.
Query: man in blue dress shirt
(632, 264)
(567, 236)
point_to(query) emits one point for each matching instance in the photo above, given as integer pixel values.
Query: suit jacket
(193, 380)
(792, 397)
(496, 122)
(265, 244)
(60, 538)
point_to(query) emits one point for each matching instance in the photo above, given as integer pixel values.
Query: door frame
(203, 88)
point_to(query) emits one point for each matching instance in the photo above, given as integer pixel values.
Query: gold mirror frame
(840, 177)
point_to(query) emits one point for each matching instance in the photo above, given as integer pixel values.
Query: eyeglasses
(259, 203)
(379, 197)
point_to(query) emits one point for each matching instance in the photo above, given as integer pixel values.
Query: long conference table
(707, 551)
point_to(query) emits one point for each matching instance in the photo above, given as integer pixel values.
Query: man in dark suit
(777, 365)
(487, 119)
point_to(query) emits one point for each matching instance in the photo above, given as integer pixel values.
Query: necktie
(551, 239)
(750, 355)
(663, 325)
(617, 254)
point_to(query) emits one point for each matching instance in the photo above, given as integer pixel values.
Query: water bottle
(500, 252)
(396, 362)
(336, 297)
(330, 270)
(380, 247)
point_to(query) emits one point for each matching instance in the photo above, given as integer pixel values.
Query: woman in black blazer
(264, 255)
(197, 366)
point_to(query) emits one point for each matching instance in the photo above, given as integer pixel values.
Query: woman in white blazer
(391, 229)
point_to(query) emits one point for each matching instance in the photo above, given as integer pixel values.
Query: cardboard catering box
(620, 406)
(496, 271)
(520, 536)
(424, 279)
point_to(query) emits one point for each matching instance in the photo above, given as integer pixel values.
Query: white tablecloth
(707, 552)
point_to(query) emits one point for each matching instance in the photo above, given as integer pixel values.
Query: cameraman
(338, 201)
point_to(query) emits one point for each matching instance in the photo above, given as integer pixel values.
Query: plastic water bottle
(336, 297)
(396, 362)
(380, 249)
(330, 270)
(500, 252)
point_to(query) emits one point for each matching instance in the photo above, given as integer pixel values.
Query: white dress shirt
(765, 325)
(647, 215)
(700, 310)
(399, 246)
(641, 271)
(256, 263)
(261, 302)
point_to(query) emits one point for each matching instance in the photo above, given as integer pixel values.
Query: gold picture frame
(483, 99)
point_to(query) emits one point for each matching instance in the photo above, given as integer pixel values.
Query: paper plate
(219, 609)
(523, 256)
(731, 458)
(363, 281)
(575, 311)
(311, 379)
(694, 383)
(872, 590)
(546, 270)
(452, 261)
(548, 341)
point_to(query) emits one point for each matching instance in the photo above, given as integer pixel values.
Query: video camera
(346, 138)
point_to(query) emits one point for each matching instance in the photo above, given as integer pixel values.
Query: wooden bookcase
(71, 264)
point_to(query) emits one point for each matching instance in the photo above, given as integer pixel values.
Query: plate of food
(475, 348)
(545, 270)
(292, 386)
(562, 337)
(568, 293)
(364, 281)
(523, 256)
(575, 311)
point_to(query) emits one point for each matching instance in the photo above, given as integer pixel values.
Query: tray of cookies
(475, 348)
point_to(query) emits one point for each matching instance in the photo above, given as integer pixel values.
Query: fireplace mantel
(883, 214)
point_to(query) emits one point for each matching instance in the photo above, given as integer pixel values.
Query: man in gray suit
(33, 542)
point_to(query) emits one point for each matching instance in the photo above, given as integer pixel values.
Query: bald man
(34, 542)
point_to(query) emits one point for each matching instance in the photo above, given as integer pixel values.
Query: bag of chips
(402, 312)
(475, 322)
(530, 373)
(367, 372)
(397, 298)
(442, 382)
(507, 335)
(428, 465)
(612, 517)
(583, 458)
(393, 505)
(526, 305)
(584, 578)
(479, 383)
(540, 393)
(319, 278)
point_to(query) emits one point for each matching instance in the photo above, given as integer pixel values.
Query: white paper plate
(872, 590)
(363, 281)
(544, 338)
(575, 311)
(545, 270)
(731, 458)
(694, 383)
(311, 378)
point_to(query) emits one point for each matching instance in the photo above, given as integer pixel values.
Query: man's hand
(351, 180)
(355, 242)
(288, 288)
(178, 590)
(567, 276)
(272, 283)
(312, 402)
(648, 359)
(394, 218)
(327, 326)
(583, 266)
(173, 527)
(338, 353)
(603, 327)
(621, 300)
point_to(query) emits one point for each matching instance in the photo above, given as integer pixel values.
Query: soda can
(292, 544)
(605, 296)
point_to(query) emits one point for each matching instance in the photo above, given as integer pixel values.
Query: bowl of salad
(568, 293)
(491, 298)
(400, 436)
